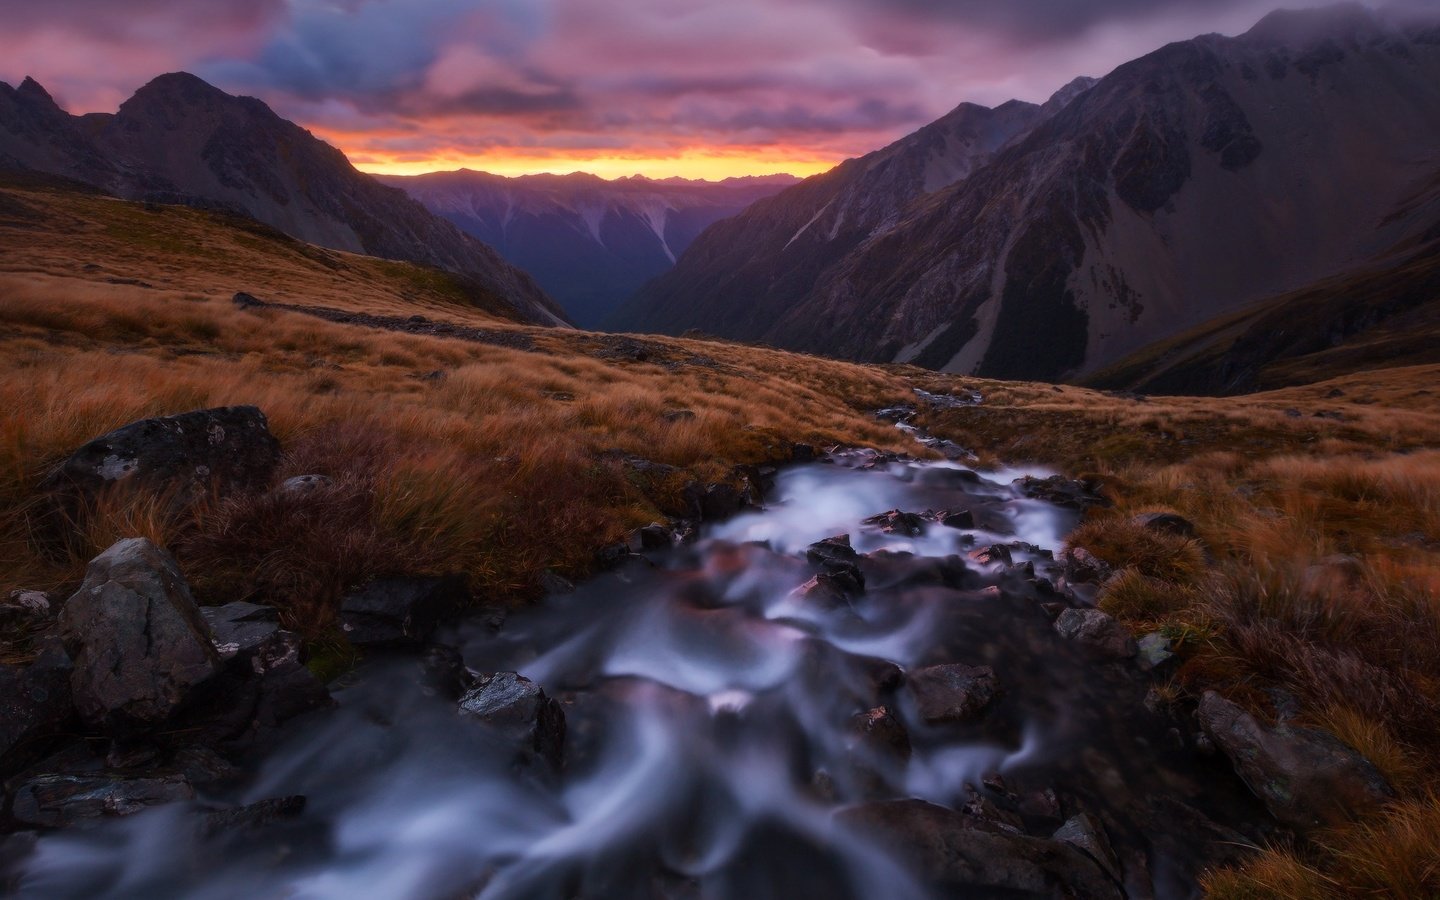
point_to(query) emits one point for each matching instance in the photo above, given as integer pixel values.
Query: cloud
(827, 78)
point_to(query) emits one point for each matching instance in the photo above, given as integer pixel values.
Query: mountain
(180, 140)
(589, 242)
(1207, 176)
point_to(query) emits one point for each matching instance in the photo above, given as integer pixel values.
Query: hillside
(179, 140)
(1204, 177)
(589, 242)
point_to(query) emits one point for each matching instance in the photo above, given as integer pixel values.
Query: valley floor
(1313, 576)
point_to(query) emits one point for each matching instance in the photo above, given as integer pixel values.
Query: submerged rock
(1306, 777)
(1096, 630)
(953, 692)
(139, 642)
(950, 850)
(519, 710)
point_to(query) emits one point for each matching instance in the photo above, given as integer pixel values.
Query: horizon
(527, 89)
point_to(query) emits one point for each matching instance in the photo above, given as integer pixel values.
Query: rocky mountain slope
(589, 242)
(180, 140)
(1204, 177)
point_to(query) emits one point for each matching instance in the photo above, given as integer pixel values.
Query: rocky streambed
(888, 682)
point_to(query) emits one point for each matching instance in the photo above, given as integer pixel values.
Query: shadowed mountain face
(1205, 177)
(590, 243)
(180, 140)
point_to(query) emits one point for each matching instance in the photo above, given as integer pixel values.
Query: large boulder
(952, 692)
(186, 457)
(139, 643)
(1306, 777)
(955, 852)
(396, 611)
(520, 712)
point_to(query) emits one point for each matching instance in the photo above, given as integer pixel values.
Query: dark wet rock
(1087, 833)
(519, 710)
(832, 549)
(826, 592)
(962, 519)
(679, 415)
(553, 583)
(391, 611)
(252, 816)
(714, 502)
(1306, 777)
(1062, 491)
(1041, 804)
(952, 692)
(57, 801)
(897, 522)
(140, 645)
(995, 554)
(1166, 523)
(652, 537)
(947, 849)
(1153, 653)
(902, 413)
(35, 705)
(240, 630)
(201, 765)
(802, 453)
(1096, 630)
(187, 456)
(1083, 567)
(304, 484)
(988, 816)
(880, 733)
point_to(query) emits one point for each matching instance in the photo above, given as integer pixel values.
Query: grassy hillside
(1376, 317)
(503, 457)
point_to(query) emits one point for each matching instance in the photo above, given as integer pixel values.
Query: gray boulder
(1096, 630)
(139, 643)
(952, 851)
(519, 711)
(952, 693)
(1306, 777)
(186, 456)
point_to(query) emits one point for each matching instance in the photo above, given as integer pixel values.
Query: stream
(715, 722)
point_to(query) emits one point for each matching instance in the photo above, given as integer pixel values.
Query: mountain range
(181, 140)
(591, 243)
(1057, 241)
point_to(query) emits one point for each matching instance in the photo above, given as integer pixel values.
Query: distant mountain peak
(1299, 27)
(32, 89)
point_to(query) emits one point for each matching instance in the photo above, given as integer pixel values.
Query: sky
(695, 88)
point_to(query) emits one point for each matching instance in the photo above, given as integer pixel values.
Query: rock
(1306, 777)
(1083, 567)
(1166, 523)
(897, 522)
(995, 554)
(652, 537)
(1086, 832)
(826, 592)
(444, 672)
(1062, 491)
(953, 692)
(139, 643)
(715, 502)
(26, 607)
(834, 556)
(679, 415)
(519, 710)
(254, 815)
(35, 704)
(1153, 652)
(802, 453)
(1096, 630)
(239, 630)
(962, 519)
(304, 484)
(56, 801)
(880, 733)
(947, 849)
(186, 457)
(391, 611)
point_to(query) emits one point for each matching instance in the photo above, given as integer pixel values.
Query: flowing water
(711, 729)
